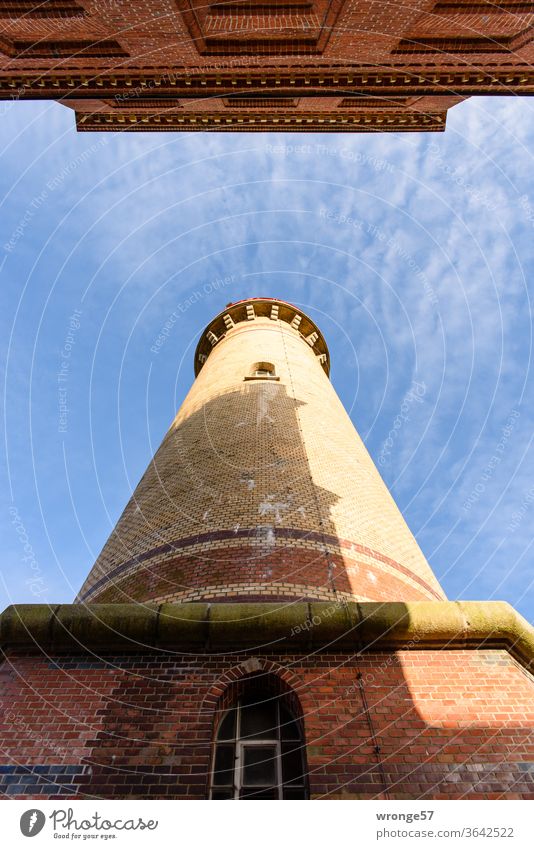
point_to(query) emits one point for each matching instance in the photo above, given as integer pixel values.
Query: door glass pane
(291, 763)
(259, 765)
(223, 793)
(258, 719)
(294, 793)
(259, 793)
(227, 726)
(223, 772)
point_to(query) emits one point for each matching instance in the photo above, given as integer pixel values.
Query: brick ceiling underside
(247, 65)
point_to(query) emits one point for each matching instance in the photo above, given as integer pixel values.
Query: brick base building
(427, 700)
(261, 623)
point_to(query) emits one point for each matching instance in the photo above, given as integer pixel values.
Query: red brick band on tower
(262, 488)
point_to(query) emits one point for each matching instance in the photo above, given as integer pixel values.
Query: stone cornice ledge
(304, 627)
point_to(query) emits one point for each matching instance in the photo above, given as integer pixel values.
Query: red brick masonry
(407, 724)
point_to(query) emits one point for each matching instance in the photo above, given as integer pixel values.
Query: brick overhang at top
(260, 65)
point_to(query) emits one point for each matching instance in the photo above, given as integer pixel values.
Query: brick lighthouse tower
(261, 624)
(262, 490)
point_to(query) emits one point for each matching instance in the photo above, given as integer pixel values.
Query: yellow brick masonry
(262, 456)
(291, 591)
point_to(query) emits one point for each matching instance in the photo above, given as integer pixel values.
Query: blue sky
(412, 252)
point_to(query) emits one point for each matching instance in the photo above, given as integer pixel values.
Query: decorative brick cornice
(392, 98)
(426, 79)
(317, 49)
(304, 627)
(305, 122)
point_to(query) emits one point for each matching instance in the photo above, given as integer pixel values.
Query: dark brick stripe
(252, 533)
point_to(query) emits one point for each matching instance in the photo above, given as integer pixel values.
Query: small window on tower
(262, 371)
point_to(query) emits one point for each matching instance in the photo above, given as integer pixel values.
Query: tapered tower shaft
(262, 488)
